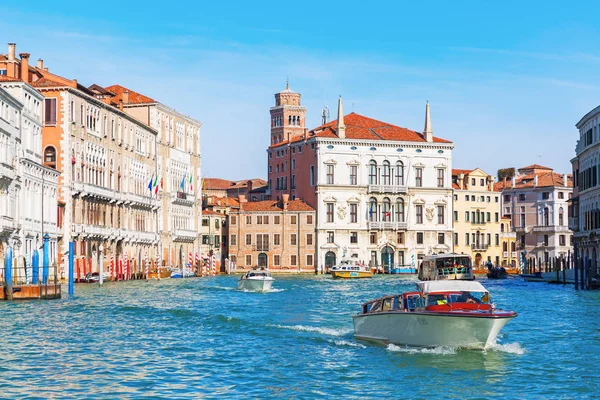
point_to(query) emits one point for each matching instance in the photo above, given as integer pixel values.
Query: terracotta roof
(256, 182)
(45, 82)
(4, 78)
(224, 202)
(462, 171)
(455, 186)
(547, 179)
(535, 166)
(216, 183)
(134, 97)
(211, 212)
(274, 205)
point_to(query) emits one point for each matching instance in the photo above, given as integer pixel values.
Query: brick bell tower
(287, 117)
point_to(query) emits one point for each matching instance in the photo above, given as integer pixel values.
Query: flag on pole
(371, 210)
(150, 184)
(156, 185)
(191, 184)
(182, 186)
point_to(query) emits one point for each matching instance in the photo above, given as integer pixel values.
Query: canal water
(202, 338)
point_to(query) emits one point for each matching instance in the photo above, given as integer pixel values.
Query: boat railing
(453, 271)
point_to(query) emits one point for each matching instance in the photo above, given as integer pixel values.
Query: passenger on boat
(467, 297)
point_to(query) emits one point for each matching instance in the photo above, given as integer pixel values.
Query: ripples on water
(202, 338)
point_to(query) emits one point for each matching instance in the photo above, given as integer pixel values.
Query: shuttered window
(49, 111)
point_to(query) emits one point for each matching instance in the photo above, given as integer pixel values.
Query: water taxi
(256, 281)
(440, 313)
(347, 269)
(446, 266)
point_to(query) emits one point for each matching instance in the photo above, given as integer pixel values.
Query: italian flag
(191, 185)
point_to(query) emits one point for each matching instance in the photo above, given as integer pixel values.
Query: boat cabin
(446, 266)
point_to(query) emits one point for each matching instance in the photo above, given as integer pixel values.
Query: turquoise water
(201, 338)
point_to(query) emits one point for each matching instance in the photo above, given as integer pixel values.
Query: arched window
(504, 246)
(387, 173)
(502, 229)
(50, 157)
(290, 120)
(372, 209)
(560, 216)
(513, 246)
(399, 173)
(546, 216)
(399, 210)
(373, 172)
(386, 212)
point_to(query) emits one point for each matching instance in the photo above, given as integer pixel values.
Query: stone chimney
(565, 180)
(461, 180)
(242, 198)
(12, 47)
(514, 181)
(40, 64)
(249, 183)
(428, 130)
(126, 97)
(341, 128)
(491, 183)
(121, 104)
(24, 67)
(535, 180)
(285, 201)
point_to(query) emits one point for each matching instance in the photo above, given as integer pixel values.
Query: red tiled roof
(535, 166)
(462, 171)
(216, 183)
(455, 186)
(4, 78)
(45, 82)
(223, 202)
(547, 179)
(256, 182)
(274, 205)
(134, 97)
(211, 212)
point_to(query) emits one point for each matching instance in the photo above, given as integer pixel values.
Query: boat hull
(255, 285)
(427, 329)
(351, 274)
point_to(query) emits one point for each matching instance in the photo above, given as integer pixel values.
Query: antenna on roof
(352, 107)
(287, 83)
(325, 115)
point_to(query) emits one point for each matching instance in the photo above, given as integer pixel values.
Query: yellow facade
(477, 221)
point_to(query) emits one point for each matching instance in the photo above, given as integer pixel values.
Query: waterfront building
(476, 216)
(214, 238)
(107, 161)
(252, 189)
(585, 209)
(511, 258)
(383, 193)
(276, 234)
(536, 200)
(178, 171)
(33, 193)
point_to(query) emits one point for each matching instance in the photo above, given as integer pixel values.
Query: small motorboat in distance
(348, 269)
(256, 281)
(440, 313)
(178, 273)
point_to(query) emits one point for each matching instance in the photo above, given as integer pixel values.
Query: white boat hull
(429, 329)
(255, 285)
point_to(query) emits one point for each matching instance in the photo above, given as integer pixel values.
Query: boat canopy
(450, 285)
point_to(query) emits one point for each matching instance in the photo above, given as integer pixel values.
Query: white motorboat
(177, 273)
(256, 281)
(440, 313)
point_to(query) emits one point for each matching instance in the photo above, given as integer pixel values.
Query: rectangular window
(233, 220)
(276, 259)
(488, 217)
(233, 240)
(330, 174)
(545, 240)
(248, 239)
(276, 239)
(293, 220)
(293, 239)
(373, 237)
(561, 240)
(419, 237)
(312, 175)
(440, 178)
(353, 213)
(522, 197)
(50, 112)
(473, 182)
(353, 175)
(309, 239)
(400, 237)
(249, 260)
(466, 216)
(419, 177)
(441, 238)
(466, 239)
(276, 220)
(293, 259)
(441, 213)
(248, 220)
(455, 216)
(259, 219)
(309, 260)
(419, 210)
(309, 219)
(507, 198)
(496, 199)
(561, 195)
(545, 195)
(329, 212)
(354, 237)
(466, 197)
(497, 217)
(456, 239)
(330, 237)
(497, 240)
(266, 219)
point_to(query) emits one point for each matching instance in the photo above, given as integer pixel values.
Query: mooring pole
(8, 269)
(71, 267)
(46, 259)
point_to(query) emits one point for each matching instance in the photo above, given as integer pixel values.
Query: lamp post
(46, 259)
(101, 264)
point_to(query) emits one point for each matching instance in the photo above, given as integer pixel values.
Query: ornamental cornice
(384, 143)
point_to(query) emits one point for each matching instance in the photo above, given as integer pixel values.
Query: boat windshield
(469, 297)
(453, 264)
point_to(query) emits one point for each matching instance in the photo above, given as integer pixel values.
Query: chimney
(535, 180)
(242, 198)
(428, 130)
(491, 183)
(340, 128)
(461, 180)
(249, 183)
(285, 201)
(121, 104)
(12, 47)
(514, 181)
(24, 67)
(45, 69)
(565, 180)
(40, 64)
(126, 97)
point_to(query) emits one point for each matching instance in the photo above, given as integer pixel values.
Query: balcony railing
(98, 191)
(513, 254)
(144, 201)
(263, 247)
(7, 172)
(387, 225)
(387, 189)
(550, 228)
(479, 247)
(185, 235)
(7, 224)
(183, 198)
(505, 254)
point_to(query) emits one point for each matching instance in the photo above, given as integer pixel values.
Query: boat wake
(440, 350)
(321, 330)
(511, 348)
(341, 342)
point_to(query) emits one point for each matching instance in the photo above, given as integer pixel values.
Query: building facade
(382, 193)
(213, 248)
(585, 206)
(275, 234)
(536, 200)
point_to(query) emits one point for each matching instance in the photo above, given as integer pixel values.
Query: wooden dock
(31, 292)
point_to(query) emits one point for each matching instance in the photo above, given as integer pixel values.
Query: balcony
(184, 235)
(387, 225)
(7, 171)
(77, 188)
(98, 191)
(182, 198)
(479, 247)
(574, 223)
(7, 224)
(505, 254)
(387, 189)
(513, 254)
(141, 201)
(508, 235)
(144, 237)
(263, 247)
(550, 228)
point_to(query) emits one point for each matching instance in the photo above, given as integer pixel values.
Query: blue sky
(507, 81)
